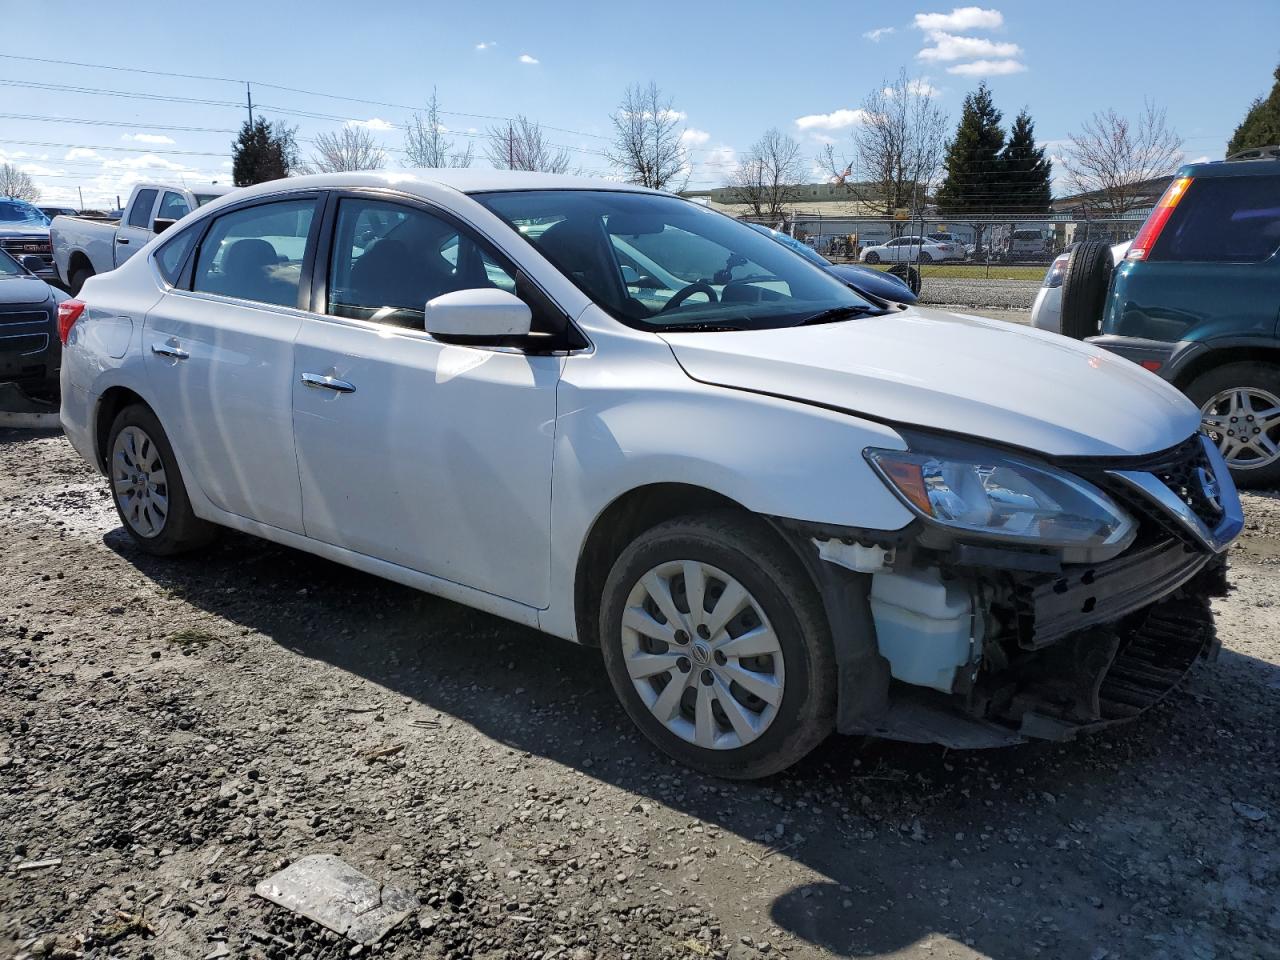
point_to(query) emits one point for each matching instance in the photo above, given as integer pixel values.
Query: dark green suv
(1197, 301)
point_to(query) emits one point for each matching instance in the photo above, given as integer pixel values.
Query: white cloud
(81, 153)
(875, 36)
(525, 58)
(693, 137)
(835, 120)
(40, 170)
(988, 68)
(486, 44)
(373, 123)
(919, 87)
(153, 138)
(961, 18)
(947, 47)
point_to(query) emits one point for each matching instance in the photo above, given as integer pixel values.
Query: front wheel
(1240, 411)
(872, 257)
(717, 644)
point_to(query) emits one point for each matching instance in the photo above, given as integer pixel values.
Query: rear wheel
(717, 644)
(77, 279)
(1240, 411)
(871, 257)
(147, 487)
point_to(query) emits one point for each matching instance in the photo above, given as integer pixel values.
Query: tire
(783, 606)
(1252, 466)
(78, 278)
(872, 257)
(925, 257)
(160, 520)
(908, 275)
(1084, 289)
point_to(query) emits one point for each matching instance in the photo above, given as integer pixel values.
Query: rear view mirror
(161, 224)
(483, 317)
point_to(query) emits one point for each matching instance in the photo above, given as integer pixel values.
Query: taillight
(68, 313)
(1150, 232)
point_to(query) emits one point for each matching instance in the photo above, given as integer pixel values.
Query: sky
(733, 70)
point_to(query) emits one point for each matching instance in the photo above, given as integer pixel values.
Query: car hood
(23, 290)
(874, 282)
(32, 231)
(960, 374)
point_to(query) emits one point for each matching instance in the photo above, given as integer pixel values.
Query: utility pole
(249, 96)
(80, 190)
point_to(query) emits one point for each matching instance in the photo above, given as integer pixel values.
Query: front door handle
(319, 381)
(170, 350)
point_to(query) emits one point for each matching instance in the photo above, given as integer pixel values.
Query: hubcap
(702, 654)
(138, 481)
(1245, 424)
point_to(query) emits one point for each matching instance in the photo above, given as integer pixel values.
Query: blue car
(875, 282)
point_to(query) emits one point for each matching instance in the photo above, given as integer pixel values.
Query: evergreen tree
(263, 151)
(1027, 172)
(973, 183)
(1261, 125)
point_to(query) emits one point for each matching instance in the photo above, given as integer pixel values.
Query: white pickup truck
(84, 246)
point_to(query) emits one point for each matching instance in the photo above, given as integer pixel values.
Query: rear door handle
(170, 350)
(319, 381)
(122, 239)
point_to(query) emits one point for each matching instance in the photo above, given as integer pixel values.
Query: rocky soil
(173, 731)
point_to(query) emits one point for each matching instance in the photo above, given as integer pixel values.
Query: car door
(220, 355)
(432, 456)
(135, 229)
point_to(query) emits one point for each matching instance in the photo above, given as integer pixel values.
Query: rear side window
(171, 256)
(140, 212)
(1225, 220)
(256, 253)
(173, 207)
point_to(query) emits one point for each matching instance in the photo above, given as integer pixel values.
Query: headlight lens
(995, 495)
(1057, 270)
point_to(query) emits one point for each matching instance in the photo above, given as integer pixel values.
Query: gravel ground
(998, 294)
(173, 731)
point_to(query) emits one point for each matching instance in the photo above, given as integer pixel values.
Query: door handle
(170, 350)
(319, 381)
(122, 239)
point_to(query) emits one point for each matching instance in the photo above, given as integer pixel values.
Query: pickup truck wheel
(717, 644)
(147, 486)
(1240, 411)
(1084, 289)
(77, 279)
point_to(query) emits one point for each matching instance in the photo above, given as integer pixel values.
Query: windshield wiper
(839, 313)
(697, 328)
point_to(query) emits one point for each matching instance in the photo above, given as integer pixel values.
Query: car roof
(1266, 167)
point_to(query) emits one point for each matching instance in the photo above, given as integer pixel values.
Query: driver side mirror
(161, 224)
(482, 317)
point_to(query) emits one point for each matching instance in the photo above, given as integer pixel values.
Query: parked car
(966, 249)
(878, 283)
(1027, 245)
(51, 212)
(24, 232)
(84, 246)
(30, 350)
(1046, 310)
(1197, 301)
(781, 508)
(910, 250)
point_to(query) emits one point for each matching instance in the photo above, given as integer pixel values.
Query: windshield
(18, 212)
(660, 263)
(791, 243)
(9, 267)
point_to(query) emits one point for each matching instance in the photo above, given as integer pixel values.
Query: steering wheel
(684, 293)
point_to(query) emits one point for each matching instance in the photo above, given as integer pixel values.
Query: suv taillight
(1150, 232)
(68, 313)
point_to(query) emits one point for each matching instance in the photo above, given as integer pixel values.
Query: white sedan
(911, 250)
(779, 507)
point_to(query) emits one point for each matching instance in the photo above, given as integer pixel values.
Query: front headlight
(973, 490)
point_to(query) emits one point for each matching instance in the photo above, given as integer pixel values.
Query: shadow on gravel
(1000, 849)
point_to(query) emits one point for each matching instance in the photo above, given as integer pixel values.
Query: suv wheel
(147, 486)
(717, 644)
(1240, 410)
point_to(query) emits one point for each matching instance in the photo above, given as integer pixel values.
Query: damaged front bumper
(975, 646)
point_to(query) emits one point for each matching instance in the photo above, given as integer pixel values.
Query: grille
(20, 246)
(23, 316)
(1179, 470)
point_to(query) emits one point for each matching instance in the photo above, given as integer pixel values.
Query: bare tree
(1112, 158)
(519, 145)
(17, 184)
(646, 140)
(351, 148)
(426, 145)
(897, 147)
(769, 176)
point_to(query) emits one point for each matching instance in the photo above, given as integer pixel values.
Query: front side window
(388, 260)
(256, 253)
(140, 212)
(173, 207)
(660, 263)
(1228, 219)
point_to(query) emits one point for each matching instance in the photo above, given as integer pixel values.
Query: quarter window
(140, 212)
(256, 253)
(388, 260)
(171, 256)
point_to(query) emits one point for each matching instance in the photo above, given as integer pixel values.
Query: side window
(140, 212)
(1228, 219)
(172, 207)
(388, 260)
(256, 253)
(171, 256)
